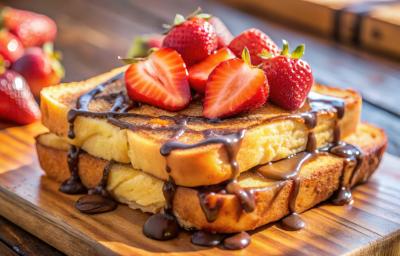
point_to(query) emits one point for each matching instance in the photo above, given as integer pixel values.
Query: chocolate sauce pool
(164, 226)
(98, 200)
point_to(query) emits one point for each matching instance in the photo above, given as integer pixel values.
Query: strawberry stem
(195, 13)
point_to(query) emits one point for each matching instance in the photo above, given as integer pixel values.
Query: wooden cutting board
(371, 226)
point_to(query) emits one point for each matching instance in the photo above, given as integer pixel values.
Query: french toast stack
(223, 175)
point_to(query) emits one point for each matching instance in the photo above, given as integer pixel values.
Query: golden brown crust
(319, 180)
(54, 111)
(54, 163)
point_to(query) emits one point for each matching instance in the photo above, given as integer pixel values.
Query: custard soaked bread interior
(136, 137)
(320, 178)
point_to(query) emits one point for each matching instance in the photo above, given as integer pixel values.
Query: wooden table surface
(92, 33)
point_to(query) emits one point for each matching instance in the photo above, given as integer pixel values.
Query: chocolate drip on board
(163, 226)
(73, 185)
(353, 158)
(207, 239)
(98, 200)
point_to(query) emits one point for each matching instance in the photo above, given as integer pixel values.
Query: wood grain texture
(6, 251)
(371, 226)
(22, 242)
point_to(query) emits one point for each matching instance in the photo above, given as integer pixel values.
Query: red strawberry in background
(160, 80)
(234, 87)
(31, 28)
(290, 78)
(194, 38)
(17, 103)
(256, 41)
(40, 67)
(10, 47)
(142, 44)
(224, 36)
(199, 73)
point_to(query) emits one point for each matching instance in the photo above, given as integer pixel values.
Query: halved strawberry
(199, 73)
(234, 87)
(160, 80)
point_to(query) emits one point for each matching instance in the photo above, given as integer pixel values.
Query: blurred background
(348, 43)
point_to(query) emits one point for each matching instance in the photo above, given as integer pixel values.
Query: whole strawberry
(256, 41)
(290, 78)
(40, 68)
(194, 38)
(17, 103)
(10, 47)
(224, 36)
(31, 28)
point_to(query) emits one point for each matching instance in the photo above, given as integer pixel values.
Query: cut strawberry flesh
(161, 80)
(199, 73)
(234, 87)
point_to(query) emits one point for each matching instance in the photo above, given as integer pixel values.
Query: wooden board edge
(14, 209)
(388, 245)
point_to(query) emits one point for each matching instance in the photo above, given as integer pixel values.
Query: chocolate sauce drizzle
(164, 226)
(73, 185)
(98, 200)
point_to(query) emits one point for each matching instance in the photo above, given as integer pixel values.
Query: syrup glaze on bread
(271, 133)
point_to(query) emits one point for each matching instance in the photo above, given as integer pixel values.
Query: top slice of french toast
(194, 151)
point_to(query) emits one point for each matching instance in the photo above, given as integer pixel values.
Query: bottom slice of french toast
(319, 179)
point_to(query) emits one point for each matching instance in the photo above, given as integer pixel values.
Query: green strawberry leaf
(298, 52)
(246, 56)
(2, 65)
(131, 60)
(204, 16)
(179, 19)
(138, 47)
(285, 48)
(48, 48)
(265, 54)
(54, 57)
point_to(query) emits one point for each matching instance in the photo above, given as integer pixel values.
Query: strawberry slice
(198, 73)
(160, 80)
(234, 87)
